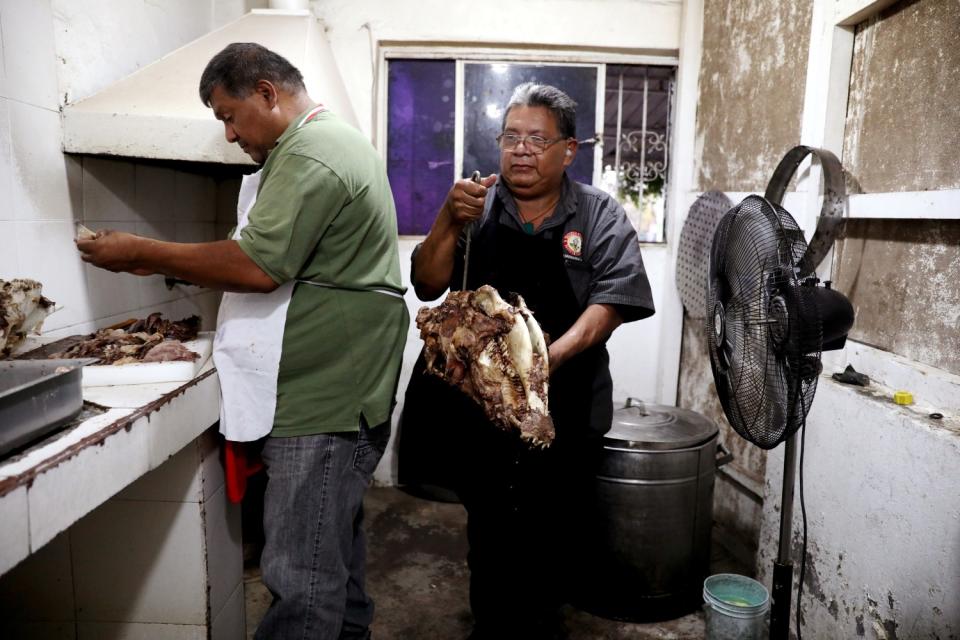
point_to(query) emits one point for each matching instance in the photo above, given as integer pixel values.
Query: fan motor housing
(718, 332)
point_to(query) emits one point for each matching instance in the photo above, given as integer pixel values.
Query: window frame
(829, 65)
(492, 54)
(459, 116)
(825, 106)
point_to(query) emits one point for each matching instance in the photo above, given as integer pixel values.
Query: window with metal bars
(443, 116)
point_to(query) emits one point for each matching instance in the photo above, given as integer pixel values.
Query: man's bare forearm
(594, 325)
(216, 265)
(433, 265)
(220, 265)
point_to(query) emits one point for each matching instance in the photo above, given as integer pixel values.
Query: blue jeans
(314, 553)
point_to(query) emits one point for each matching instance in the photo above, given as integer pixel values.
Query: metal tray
(37, 396)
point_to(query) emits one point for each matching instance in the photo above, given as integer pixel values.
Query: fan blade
(743, 378)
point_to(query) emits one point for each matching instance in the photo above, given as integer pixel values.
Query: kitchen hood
(156, 112)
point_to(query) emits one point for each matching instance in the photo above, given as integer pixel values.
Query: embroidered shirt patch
(573, 243)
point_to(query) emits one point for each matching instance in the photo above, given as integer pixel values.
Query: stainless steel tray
(37, 396)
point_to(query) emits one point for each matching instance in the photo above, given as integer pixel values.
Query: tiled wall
(39, 187)
(160, 560)
(159, 201)
(43, 192)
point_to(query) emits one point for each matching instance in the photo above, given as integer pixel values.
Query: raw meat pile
(22, 310)
(152, 339)
(496, 354)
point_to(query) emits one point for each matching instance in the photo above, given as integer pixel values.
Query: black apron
(438, 422)
(533, 266)
(513, 493)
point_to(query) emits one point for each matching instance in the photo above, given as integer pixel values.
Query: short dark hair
(241, 65)
(532, 94)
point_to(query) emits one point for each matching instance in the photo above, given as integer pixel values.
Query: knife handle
(466, 253)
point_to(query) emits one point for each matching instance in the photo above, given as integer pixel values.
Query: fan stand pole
(782, 566)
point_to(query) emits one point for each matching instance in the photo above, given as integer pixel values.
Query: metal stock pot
(655, 512)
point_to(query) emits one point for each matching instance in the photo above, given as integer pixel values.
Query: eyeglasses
(535, 144)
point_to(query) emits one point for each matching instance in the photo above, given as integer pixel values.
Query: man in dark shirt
(572, 254)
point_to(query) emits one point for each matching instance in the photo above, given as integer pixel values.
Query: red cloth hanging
(240, 462)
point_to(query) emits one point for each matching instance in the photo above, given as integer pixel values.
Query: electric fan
(767, 320)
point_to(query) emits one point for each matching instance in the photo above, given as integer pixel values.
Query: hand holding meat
(496, 354)
(465, 200)
(84, 233)
(114, 251)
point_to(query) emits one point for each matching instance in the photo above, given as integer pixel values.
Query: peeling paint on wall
(882, 514)
(903, 124)
(751, 90)
(751, 95)
(880, 611)
(903, 279)
(697, 392)
(738, 504)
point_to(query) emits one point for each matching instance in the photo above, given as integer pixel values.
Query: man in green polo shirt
(310, 334)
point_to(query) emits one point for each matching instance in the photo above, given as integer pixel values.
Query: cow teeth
(502, 353)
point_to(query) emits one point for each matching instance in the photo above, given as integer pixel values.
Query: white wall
(57, 50)
(882, 485)
(356, 26)
(90, 35)
(635, 347)
(101, 41)
(162, 559)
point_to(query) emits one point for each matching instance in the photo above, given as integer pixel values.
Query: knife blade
(466, 253)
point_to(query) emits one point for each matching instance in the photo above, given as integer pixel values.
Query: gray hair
(562, 106)
(239, 66)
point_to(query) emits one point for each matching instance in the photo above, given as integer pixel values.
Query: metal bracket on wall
(831, 221)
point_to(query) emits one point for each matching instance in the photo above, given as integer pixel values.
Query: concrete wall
(884, 547)
(881, 480)
(903, 124)
(751, 90)
(749, 110)
(738, 492)
(903, 278)
(902, 134)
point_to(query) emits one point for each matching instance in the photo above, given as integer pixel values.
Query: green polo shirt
(325, 214)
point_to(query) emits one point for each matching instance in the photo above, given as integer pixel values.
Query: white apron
(246, 349)
(249, 339)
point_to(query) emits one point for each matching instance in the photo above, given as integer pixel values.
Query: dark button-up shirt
(601, 250)
(601, 254)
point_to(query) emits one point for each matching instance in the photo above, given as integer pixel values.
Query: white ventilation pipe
(290, 5)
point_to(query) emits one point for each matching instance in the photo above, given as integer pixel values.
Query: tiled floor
(417, 575)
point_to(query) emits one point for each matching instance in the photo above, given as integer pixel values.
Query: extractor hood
(156, 112)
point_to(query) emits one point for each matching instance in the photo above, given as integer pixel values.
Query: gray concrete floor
(418, 578)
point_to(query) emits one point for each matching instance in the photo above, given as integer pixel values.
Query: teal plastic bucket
(736, 607)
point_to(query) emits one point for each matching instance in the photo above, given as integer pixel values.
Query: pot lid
(638, 425)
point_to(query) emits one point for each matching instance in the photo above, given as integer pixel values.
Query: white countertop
(52, 485)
